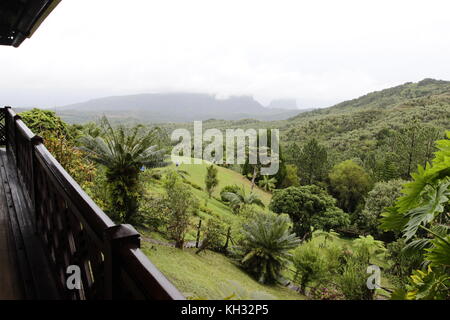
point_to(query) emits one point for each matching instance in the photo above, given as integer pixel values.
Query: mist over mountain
(187, 107)
(172, 107)
(288, 104)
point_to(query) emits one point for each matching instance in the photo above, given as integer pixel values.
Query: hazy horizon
(217, 96)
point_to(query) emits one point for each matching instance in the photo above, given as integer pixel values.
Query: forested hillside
(427, 101)
(367, 128)
(378, 127)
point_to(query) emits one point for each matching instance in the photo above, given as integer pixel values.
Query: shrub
(310, 265)
(154, 212)
(230, 188)
(317, 262)
(214, 235)
(352, 281)
(403, 262)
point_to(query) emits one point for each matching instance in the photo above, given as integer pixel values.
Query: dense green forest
(365, 183)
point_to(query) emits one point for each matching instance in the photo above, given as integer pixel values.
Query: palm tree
(240, 198)
(267, 183)
(266, 246)
(124, 152)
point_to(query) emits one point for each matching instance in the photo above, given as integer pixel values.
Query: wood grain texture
(10, 288)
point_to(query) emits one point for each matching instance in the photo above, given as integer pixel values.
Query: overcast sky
(318, 52)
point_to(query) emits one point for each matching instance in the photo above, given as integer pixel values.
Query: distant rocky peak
(288, 104)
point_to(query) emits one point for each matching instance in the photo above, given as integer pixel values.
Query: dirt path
(187, 244)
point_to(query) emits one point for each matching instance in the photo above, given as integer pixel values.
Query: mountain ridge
(174, 107)
(387, 98)
(187, 107)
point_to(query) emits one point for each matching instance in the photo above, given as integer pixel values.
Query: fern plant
(266, 245)
(124, 152)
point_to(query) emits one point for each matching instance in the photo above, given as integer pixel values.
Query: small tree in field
(349, 183)
(214, 236)
(312, 162)
(382, 195)
(180, 203)
(211, 180)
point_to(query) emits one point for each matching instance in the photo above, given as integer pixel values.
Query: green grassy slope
(209, 275)
(196, 176)
(197, 173)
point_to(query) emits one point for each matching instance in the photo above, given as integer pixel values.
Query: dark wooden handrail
(75, 231)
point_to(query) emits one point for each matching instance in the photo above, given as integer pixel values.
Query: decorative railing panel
(2, 127)
(76, 232)
(67, 235)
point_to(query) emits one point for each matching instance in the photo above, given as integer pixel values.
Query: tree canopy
(349, 183)
(308, 206)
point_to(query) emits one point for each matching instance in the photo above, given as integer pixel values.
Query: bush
(352, 277)
(310, 265)
(230, 188)
(156, 175)
(352, 281)
(316, 264)
(214, 236)
(249, 212)
(403, 262)
(154, 212)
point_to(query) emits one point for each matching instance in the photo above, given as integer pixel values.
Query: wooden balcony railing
(75, 231)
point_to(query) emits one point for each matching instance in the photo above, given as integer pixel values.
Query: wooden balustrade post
(117, 237)
(16, 144)
(36, 140)
(7, 124)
